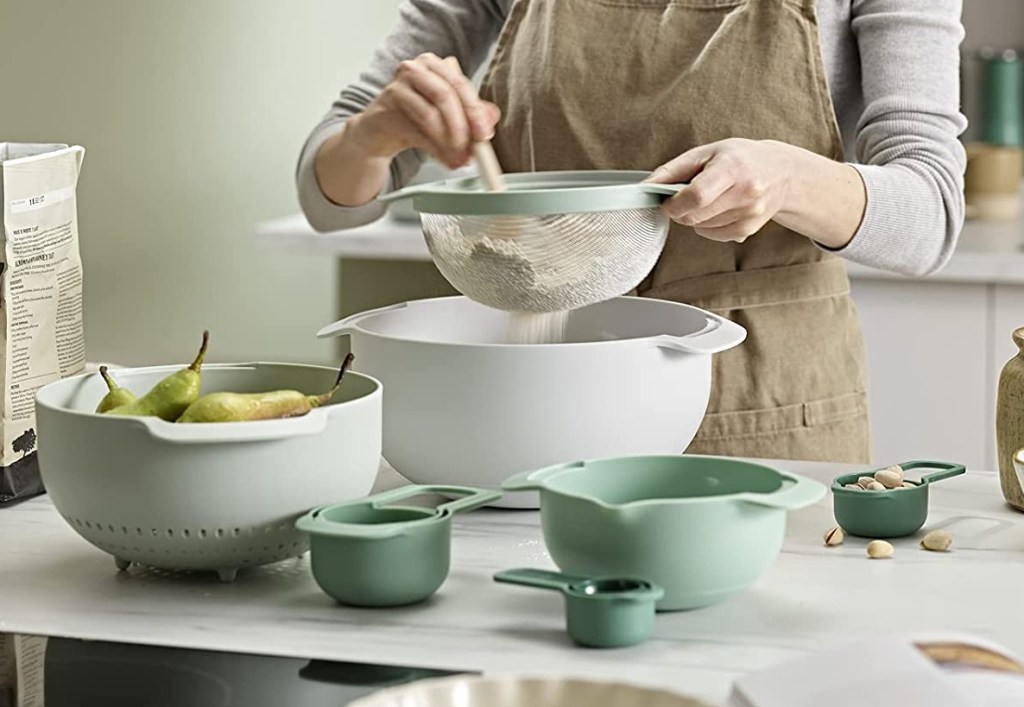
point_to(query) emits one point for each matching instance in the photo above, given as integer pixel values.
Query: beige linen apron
(629, 84)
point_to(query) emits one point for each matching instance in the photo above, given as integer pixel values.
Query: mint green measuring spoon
(600, 612)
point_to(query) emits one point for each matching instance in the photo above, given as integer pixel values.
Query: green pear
(171, 396)
(276, 404)
(116, 395)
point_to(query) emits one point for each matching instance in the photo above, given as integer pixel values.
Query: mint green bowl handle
(802, 493)
(534, 480)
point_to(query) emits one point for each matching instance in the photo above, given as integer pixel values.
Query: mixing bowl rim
(357, 326)
(658, 502)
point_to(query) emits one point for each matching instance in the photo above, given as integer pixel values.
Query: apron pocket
(746, 423)
(834, 429)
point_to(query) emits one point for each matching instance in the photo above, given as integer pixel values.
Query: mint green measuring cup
(600, 612)
(368, 553)
(894, 513)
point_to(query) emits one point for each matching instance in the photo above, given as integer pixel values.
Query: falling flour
(537, 327)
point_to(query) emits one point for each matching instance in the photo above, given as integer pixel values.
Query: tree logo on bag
(25, 443)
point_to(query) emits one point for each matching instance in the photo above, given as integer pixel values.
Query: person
(807, 132)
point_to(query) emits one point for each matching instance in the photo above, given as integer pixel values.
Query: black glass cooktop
(99, 674)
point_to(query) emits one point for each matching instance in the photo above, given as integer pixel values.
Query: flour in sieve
(500, 273)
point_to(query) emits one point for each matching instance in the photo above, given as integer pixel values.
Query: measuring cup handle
(474, 498)
(946, 469)
(802, 493)
(542, 579)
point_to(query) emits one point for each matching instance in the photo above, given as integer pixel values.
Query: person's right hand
(429, 105)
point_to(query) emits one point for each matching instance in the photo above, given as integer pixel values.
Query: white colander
(215, 496)
(550, 241)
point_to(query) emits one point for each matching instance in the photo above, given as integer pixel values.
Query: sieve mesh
(546, 263)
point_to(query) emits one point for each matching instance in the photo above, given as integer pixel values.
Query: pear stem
(325, 397)
(111, 384)
(198, 362)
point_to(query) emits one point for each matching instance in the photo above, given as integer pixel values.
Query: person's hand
(735, 186)
(429, 105)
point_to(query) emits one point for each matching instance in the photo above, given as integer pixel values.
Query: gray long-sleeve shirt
(893, 73)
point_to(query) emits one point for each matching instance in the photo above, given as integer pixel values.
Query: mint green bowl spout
(703, 528)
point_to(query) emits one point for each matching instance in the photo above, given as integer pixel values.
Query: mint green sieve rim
(538, 194)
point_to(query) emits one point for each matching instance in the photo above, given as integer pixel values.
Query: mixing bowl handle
(946, 470)
(718, 334)
(802, 493)
(534, 480)
(311, 423)
(346, 325)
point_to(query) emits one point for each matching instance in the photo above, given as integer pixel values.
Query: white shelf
(990, 253)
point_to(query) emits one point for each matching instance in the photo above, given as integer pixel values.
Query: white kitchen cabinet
(928, 360)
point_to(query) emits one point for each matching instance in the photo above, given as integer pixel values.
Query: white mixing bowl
(217, 496)
(462, 407)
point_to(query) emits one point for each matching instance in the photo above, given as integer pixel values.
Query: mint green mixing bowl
(703, 528)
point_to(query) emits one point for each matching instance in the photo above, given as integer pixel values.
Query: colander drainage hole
(138, 531)
(88, 525)
(202, 532)
(185, 533)
(111, 529)
(154, 532)
(236, 532)
(124, 530)
(170, 533)
(220, 532)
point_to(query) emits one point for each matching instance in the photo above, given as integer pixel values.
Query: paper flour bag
(41, 337)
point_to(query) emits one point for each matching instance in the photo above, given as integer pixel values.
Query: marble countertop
(989, 252)
(54, 583)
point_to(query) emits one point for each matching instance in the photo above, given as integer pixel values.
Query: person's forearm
(346, 174)
(825, 199)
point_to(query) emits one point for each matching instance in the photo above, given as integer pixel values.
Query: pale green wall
(192, 113)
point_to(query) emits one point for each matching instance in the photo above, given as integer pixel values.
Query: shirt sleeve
(465, 29)
(908, 150)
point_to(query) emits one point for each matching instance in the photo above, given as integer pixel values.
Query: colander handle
(718, 334)
(311, 423)
(348, 324)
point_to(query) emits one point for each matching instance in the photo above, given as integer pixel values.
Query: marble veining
(54, 583)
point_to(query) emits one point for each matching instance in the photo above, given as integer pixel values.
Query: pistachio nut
(937, 541)
(880, 550)
(834, 536)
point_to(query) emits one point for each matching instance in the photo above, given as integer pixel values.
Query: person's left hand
(735, 187)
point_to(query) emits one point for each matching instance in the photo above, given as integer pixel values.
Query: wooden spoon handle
(490, 169)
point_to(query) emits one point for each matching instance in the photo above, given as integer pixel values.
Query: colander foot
(228, 575)
(122, 565)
